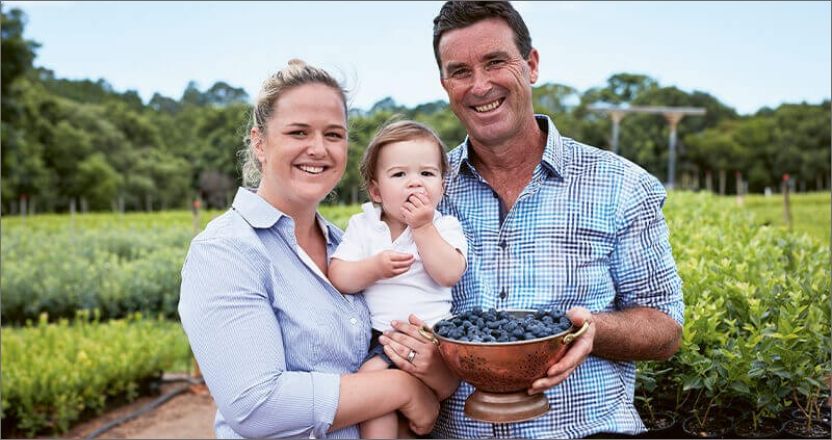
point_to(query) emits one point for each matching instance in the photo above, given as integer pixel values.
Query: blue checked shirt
(271, 335)
(587, 231)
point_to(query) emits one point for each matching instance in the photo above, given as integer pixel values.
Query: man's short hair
(460, 14)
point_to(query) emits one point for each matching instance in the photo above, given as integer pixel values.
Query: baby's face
(403, 169)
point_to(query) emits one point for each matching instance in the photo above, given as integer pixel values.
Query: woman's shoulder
(229, 227)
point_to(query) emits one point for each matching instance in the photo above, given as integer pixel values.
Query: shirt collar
(263, 215)
(552, 152)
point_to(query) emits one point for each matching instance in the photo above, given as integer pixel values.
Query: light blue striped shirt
(271, 336)
(587, 231)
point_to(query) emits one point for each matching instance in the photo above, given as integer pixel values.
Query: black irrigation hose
(146, 408)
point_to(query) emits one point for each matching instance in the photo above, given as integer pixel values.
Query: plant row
(56, 373)
(757, 322)
(119, 264)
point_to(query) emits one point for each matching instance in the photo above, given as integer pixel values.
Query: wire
(148, 407)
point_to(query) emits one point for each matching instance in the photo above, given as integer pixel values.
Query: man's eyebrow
(496, 54)
(455, 65)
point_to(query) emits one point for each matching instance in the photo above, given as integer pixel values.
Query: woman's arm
(237, 341)
(227, 314)
(355, 276)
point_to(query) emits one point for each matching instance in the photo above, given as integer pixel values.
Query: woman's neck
(304, 216)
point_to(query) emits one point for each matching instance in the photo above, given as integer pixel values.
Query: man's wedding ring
(411, 355)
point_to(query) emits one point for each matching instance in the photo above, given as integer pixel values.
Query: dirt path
(189, 415)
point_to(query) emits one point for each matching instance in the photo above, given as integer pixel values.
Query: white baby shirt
(411, 292)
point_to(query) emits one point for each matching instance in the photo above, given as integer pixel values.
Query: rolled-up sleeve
(226, 310)
(642, 264)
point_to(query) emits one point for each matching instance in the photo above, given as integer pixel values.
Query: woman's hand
(422, 408)
(412, 351)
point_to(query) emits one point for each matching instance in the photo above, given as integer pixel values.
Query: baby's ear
(375, 194)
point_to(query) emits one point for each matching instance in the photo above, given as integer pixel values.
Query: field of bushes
(757, 331)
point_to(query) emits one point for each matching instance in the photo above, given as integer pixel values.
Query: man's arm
(649, 324)
(636, 334)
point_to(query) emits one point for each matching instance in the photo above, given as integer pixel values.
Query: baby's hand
(392, 263)
(417, 210)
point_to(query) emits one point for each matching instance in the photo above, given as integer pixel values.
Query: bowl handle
(572, 336)
(428, 334)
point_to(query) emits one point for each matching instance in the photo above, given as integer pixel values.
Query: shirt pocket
(572, 265)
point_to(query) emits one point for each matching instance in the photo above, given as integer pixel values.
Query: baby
(400, 251)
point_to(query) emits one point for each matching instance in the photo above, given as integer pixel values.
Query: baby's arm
(443, 262)
(355, 276)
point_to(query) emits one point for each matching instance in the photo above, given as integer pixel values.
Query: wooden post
(738, 177)
(197, 204)
(23, 209)
(787, 210)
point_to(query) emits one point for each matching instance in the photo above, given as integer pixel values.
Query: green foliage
(60, 265)
(757, 318)
(55, 373)
(117, 263)
(59, 134)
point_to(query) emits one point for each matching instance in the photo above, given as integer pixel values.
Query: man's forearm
(636, 334)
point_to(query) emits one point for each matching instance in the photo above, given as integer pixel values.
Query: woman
(276, 343)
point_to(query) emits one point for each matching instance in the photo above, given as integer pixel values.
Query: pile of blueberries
(500, 326)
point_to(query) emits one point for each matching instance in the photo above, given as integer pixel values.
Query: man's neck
(518, 155)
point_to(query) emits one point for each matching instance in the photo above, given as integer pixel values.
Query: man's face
(487, 80)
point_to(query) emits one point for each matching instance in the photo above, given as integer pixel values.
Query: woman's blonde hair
(296, 74)
(398, 131)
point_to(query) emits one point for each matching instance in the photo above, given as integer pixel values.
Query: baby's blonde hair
(398, 131)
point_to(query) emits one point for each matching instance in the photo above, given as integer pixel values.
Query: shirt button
(502, 244)
(353, 321)
(503, 294)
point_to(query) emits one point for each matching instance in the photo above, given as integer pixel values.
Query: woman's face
(304, 150)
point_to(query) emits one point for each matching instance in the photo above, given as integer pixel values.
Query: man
(551, 223)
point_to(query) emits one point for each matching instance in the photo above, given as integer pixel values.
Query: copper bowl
(502, 372)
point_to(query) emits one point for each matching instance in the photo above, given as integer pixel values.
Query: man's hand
(417, 211)
(578, 350)
(392, 263)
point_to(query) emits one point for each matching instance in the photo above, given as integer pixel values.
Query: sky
(746, 54)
